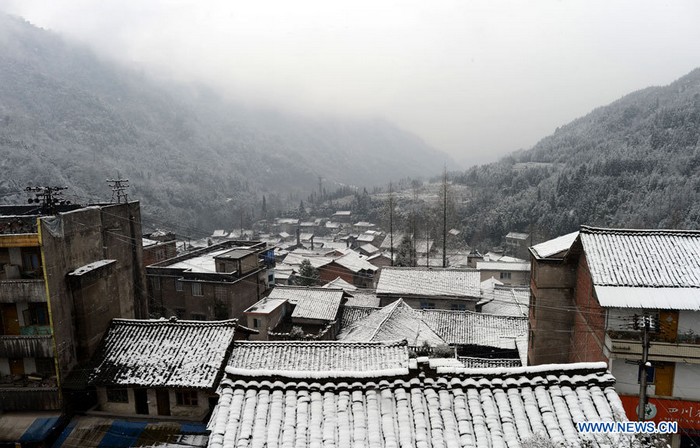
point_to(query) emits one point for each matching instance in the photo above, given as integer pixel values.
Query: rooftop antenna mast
(49, 197)
(119, 187)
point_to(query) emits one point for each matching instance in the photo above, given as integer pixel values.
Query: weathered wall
(588, 339)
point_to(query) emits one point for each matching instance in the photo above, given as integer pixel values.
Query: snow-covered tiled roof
(351, 314)
(365, 238)
(162, 353)
(339, 283)
(429, 282)
(399, 321)
(505, 300)
(318, 359)
(394, 321)
(311, 303)
(554, 247)
(353, 262)
(472, 408)
(657, 269)
(363, 297)
(517, 235)
(369, 248)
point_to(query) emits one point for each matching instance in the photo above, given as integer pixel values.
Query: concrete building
(214, 283)
(508, 273)
(588, 291)
(64, 277)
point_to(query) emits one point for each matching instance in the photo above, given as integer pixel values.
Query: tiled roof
(429, 282)
(502, 408)
(311, 303)
(517, 235)
(658, 269)
(350, 314)
(355, 263)
(486, 363)
(505, 301)
(466, 327)
(556, 246)
(395, 321)
(340, 284)
(653, 258)
(322, 359)
(399, 321)
(162, 353)
(363, 297)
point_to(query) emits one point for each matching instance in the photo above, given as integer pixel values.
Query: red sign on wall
(686, 413)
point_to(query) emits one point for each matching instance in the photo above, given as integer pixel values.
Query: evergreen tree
(308, 275)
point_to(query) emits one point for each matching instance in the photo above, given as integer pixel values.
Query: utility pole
(50, 197)
(643, 323)
(444, 219)
(391, 222)
(119, 187)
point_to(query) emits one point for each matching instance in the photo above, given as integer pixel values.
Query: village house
(213, 283)
(373, 394)
(63, 276)
(516, 244)
(158, 248)
(290, 312)
(509, 273)
(473, 338)
(430, 288)
(592, 293)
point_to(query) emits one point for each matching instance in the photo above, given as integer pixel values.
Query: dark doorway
(141, 398)
(163, 400)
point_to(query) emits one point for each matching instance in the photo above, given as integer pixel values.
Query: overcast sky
(477, 79)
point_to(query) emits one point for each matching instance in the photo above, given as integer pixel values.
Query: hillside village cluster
(304, 334)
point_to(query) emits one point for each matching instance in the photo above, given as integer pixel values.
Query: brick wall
(588, 337)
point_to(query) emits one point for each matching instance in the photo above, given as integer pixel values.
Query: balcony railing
(29, 399)
(35, 346)
(628, 345)
(13, 291)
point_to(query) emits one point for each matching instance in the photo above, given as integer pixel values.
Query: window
(505, 275)
(155, 283)
(425, 305)
(36, 314)
(651, 374)
(117, 395)
(178, 286)
(220, 292)
(45, 366)
(222, 267)
(198, 316)
(256, 323)
(197, 289)
(458, 306)
(186, 398)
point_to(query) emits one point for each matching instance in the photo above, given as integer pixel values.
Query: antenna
(49, 197)
(119, 187)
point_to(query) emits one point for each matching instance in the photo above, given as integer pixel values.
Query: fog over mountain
(69, 117)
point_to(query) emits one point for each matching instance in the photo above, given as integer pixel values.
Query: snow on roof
(557, 246)
(265, 305)
(394, 321)
(350, 314)
(499, 408)
(318, 359)
(145, 242)
(236, 254)
(369, 248)
(339, 283)
(429, 282)
(318, 306)
(365, 238)
(353, 262)
(506, 301)
(204, 263)
(502, 266)
(162, 353)
(470, 328)
(657, 269)
(363, 297)
(363, 224)
(517, 235)
(342, 213)
(287, 221)
(219, 233)
(295, 259)
(95, 265)
(435, 327)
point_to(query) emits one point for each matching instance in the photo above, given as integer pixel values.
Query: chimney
(298, 237)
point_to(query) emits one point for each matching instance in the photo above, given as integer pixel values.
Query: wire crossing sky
(477, 78)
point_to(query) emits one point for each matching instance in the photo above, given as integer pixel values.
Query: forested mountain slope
(70, 118)
(634, 163)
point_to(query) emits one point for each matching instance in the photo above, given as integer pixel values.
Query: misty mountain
(68, 117)
(633, 163)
